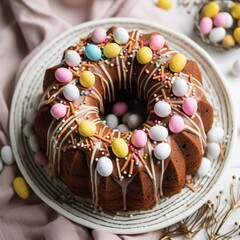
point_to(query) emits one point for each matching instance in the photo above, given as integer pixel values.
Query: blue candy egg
(93, 52)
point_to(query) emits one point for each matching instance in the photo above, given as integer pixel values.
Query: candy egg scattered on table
(7, 155)
(21, 188)
(236, 68)
(165, 4)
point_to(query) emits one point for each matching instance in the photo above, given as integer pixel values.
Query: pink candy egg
(220, 19)
(139, 139)
(189, 106)
(99, 35)
(58, 110)
(41, 158)
(119, 108)
(63, 75)
(176, 124)
(205, 25)
(156, 42)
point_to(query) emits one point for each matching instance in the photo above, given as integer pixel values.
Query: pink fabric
(25, 26)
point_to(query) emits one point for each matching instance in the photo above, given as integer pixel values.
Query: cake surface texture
(134, 166)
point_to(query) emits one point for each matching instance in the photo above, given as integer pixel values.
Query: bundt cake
(125, 168)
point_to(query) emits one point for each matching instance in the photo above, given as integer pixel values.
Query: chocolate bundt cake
(123, 169)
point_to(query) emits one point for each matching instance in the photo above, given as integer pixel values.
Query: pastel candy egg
(165, 4)
(71, 92)
(93, 52)
(228, 41)
(134, 120)
(119, 147)
(211, 9)
(162, 109)
(144, 55)
(111, 121)
(213, 150)
(72, 58)
(28, 130)
(205, 25)
(58, 110)
(1, 164)
(220, 20)
(176, 124)
(139, 139)
(217, 34)
(158, 133)
(41, 158)
(178, 62)
(99, 35)
(87, 79)
(125, 117)
(229, 20)
(111, 50)
(235, 11)
(21, 188)
(120, 35)
(7, 155)
(120, 108)
(33, 143)
(104, 166)
(87, 128)
(204, 168)
(180, 87)
(215, 134)
(63, 75)
(162, 151)
(190, 106)
(236, 68)
(156, 42)
(236, 34)
(123, 128)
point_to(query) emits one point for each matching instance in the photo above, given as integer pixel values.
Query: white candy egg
(215, 134)
(30, 116)
(158, 133)
(7, 155)
(112, 121)
(217, 34)
(134, 120)
(162, 109)
(213, 150)
(72, 58)
(120, 35)
(123, 128)
(71, 92)
(33, 143)
(104, 166)
(180, 87)
(236, 68)
(28, 130)
(162, 151)
(204, 167)
(1, 164)
(229, 20)
(125, 117)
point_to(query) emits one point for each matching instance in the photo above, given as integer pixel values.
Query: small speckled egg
(123, 128)
(190, 106)
(139, 139)
(71, 92)
(125, 117)
(21, 188)
(228, 41)
(63, 75)
(158, 133)
(215, 134)
(176, 124)
(33, 143)
(93, 52)
(235, 11)
(119, 147)
(104, 166)
(144, 55)
(7, 155)
(111, 50)
(229, 20)
(99, 35)
(213, 150)
(236, 34)
(165, 4)
(41, 158)
(1, 165)
(120, 35)
(87, 79)
(204, 167)
(162, 109)
(72, 58)
(180, 87)
(205, 25)
(134, 120)
(112, 121)
(220, 20)
(162, 151)
(58, 110)
(211, 9)
(217, 34)
(156, 42)
(236, 68)
(120, 108)
(87, 128)
(177, 62)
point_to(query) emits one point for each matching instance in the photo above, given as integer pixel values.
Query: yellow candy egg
(111, 50)
(144, 55)
(228, 41)
(211, 9)
(236, 34)
(21, 188)
(235, 11)
(119, 147)
(178, 62)
(87, 79)
(87, 128)
(165, 4)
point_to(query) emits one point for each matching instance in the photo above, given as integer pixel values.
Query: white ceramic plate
(170, 210)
